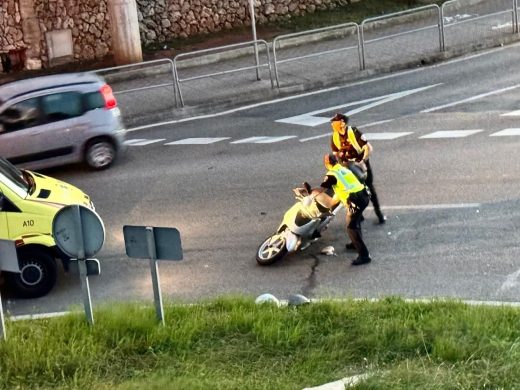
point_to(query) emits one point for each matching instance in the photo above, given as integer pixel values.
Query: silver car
(60, 119)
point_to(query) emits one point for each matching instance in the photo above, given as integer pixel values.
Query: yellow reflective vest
(346, 182)
(351, 136)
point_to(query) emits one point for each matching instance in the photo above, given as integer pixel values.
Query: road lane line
(310, 118)
(146, 142)
(432, 206)
(470, 99)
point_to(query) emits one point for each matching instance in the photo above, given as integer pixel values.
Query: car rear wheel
(100, 154)
(37, 277)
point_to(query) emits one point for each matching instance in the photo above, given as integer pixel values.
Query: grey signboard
(167, 242)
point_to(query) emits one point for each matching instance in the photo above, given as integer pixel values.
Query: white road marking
(506, 132)
(512, 113)
(386, 136)
(133, 141)
(197, 141)
(310, 118)
(472, 98)
(315, 137)
(502, 26)
(262, 140)
(270, 140)
(431, 206)
(451, 134)
(146, 142)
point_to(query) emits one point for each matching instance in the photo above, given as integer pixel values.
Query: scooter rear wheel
(272, 249)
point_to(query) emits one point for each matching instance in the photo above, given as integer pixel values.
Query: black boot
(361, 260)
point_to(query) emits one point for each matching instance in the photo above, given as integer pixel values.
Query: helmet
(267, 298)
(329, 160)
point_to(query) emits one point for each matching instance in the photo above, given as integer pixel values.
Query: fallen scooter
(302, 225)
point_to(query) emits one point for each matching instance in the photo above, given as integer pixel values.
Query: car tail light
(108, 95)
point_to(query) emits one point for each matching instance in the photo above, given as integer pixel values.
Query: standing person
(350, 144)
(354, 196)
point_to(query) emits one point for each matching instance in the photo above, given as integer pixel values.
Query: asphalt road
(451, 198)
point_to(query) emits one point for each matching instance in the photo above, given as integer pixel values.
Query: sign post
(153, 243)
(152, 253)
(79, 232)
(9, 263)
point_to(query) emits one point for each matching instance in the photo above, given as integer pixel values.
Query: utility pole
(124, 26)
(253, 28)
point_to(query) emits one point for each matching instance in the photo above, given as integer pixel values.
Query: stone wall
(87, 19)
(24, 23)
(162, 20)
(11, 33)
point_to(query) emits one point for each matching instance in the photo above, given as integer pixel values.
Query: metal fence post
(515, 16)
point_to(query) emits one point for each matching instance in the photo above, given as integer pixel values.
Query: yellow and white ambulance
(28, 203)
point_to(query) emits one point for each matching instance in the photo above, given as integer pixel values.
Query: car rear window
(93, 100)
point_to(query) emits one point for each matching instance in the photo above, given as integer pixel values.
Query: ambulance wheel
(38, 274)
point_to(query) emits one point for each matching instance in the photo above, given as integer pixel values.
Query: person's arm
(367, 151)
(362, 141)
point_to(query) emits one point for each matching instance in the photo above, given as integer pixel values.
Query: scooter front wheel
(272, 249)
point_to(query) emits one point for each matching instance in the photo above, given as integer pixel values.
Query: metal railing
(255, 44)
(396, 14)
(514, 18)
(279, 38)
(139, 65)
(282, 41)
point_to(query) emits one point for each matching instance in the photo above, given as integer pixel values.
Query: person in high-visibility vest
(354, 196)
(350, 144)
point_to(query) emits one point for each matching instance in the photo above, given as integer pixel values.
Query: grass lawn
(231, 343)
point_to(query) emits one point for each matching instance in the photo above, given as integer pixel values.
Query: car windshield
(14, 178)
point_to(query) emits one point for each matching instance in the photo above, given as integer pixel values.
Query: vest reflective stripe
(352, 139)
(346, 184)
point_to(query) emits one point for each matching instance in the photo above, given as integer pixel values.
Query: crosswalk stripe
(506, 132)
(141, 142)
(451, 134)
(386, 136)
(262, 140)
(197, 141)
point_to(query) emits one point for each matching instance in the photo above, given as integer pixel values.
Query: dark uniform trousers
(357, 202)
(373, 195)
